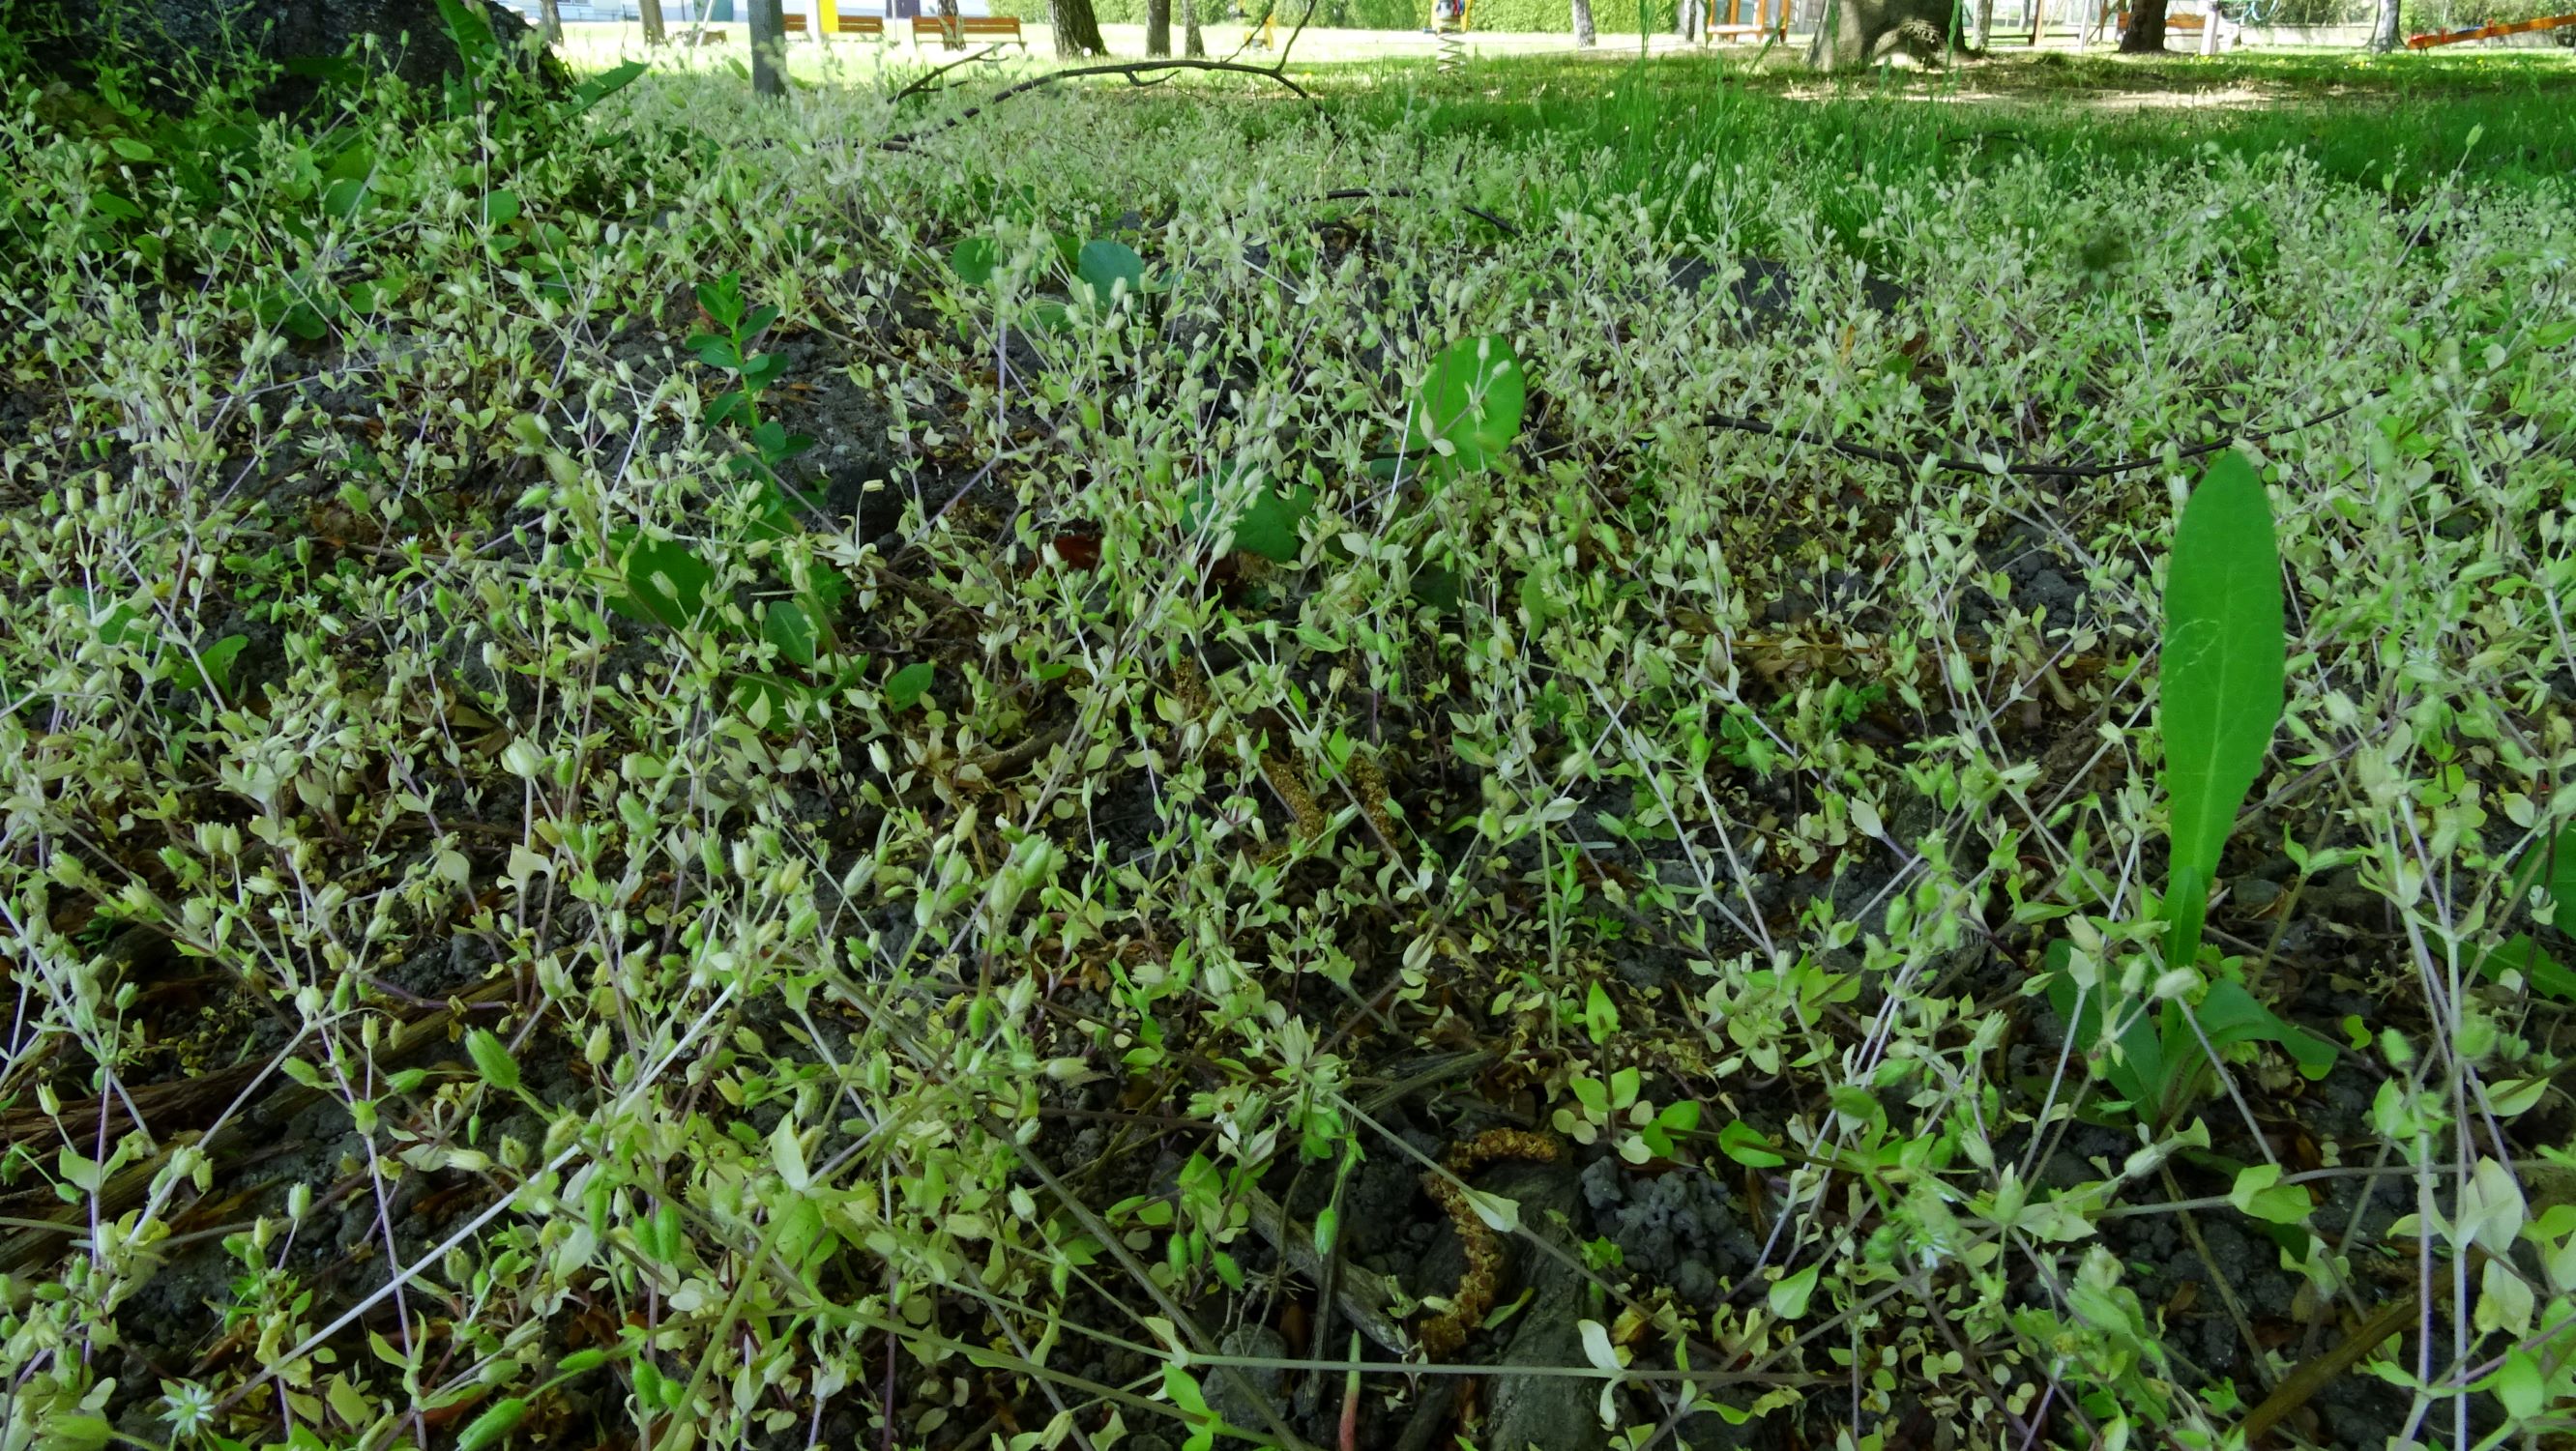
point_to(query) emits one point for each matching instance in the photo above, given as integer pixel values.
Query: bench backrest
(966, 24)
(795, 22)
(863, 25)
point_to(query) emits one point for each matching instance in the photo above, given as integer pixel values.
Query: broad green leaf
(2220, 680)
(1472, 400)
(666, 581)
(1739, 1142)
(767, 701)
(787, 1155)
(1268, 524)
(905, 687)
(2538, 968)
(1105, 264)
(786, 625)
(2137, 1072)
(2259, 1192)
(500, 208)
(2231, 1015)
(1789, 1295)
(2552, 864)
(218, 660)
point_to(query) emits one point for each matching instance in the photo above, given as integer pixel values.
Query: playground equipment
(1765, 22)
(2493, 32)
(1449, 21)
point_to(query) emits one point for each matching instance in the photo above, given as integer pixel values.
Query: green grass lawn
(1527, 757)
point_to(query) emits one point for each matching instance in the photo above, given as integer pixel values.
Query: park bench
(948, 29)
(871, 26)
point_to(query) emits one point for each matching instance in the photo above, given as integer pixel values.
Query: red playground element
(2487, 32)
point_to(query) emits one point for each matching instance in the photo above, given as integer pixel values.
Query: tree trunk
(1689, 21)
(550, 20)
(2383, 34)
(654, 31)
(2146, 32)
(1077, 30)
(1193, 44)
(1984, 34)
(768, 48)
(1583, 22)
(1158, 27)
(1849, 32)
(170, 52)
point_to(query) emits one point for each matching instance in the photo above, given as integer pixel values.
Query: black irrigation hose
(1356, 193)
(1951, 464)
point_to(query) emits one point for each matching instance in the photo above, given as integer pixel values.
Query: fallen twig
(922, 84)
(1354, 193)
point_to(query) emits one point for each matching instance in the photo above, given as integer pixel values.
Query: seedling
(2224, 648)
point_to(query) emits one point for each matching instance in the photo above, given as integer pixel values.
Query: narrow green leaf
(492, 1425)
(2220, 681)
(492, 1059)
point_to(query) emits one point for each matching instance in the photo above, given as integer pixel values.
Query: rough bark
(768, 48)
(1193, 44)
(173, 52)
(2384, 29)
(2146, 32)
(550, 20)
(1583, 22)
(1852, 31)
(655, 32)
(1158, 27)
(1983, 34)
(1077, 29)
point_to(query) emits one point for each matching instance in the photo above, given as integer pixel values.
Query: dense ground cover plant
(758, 791)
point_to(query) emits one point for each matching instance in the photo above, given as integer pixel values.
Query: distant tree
(550, 20)
(1077, 29)
(1983, 34)
(1158, 27)
(2383, 34)
(1689, 20)
(1583, 22)
(2146, 32)
(654, 32)
(1192, 43)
